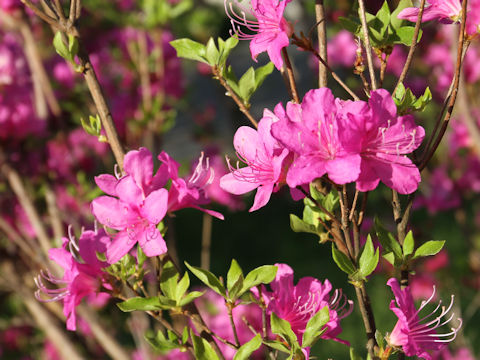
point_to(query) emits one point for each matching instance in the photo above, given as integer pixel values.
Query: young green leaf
(354, 355)
(395, 22)
(189, 49)
(208, 279)
(389, 243)
(246, 84)
(261, 275)
(431, 247)
(160, 342)
(283, 328)
(342, 261)
(369, 258)
(233, 274)
(202, 349)
(190, 297)
(168, 280)
(211, 52)
(408, 244)
(139, 303)
(298, 225)
(314, 327)
(248, 348)
(182, 287)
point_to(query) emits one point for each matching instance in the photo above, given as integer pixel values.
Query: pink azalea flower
(342, 49)
(384, 140)
(141, 205)
(83, 272)
(270, 33)
(264, 158)
(299, 303)
(318, 133)
(215, 314)
(189, 192)
(418, 336)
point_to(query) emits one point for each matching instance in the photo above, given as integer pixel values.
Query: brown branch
(49, 20)
(451, 99)
(408, 62)
(234, 96)
(366, 40)
(322, 41)
(368, 319)
(290, 76)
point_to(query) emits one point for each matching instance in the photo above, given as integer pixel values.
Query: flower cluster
(349, 141)
(138, 201)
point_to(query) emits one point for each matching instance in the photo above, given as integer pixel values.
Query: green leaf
(262, 275)
(168, 280)
(72, 46)
(351, 24)
(298, 225)
(161, 343)
(431, 247)
(141, 257)
(389, 243)
(190, 297)
(354, 355)
(182, 287)
(408, 244)
(185, 335)
(369, 258)
(61, 48)
(277, 345)
(139, 303)
(236, 290)
(405, 35)
(211, 52)
(189, 49)
(248, 348)
(246, 85)
(202, 349)
(284, 329)
(225, 48)
(233, 274)
(384, 16)
(261, 74)
(314, 327)
(380, 339)
(342, 261)
(208, 279)
(395, 22)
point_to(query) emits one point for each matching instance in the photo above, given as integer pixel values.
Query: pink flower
(141, 205)
(83, 272)
(299, 303)
(342, 49)
(418, 336)
(320, 136)
(271, 32)
(189, 192)
(264, 158)
(441, 193)
(215, 314)
(461, 354)
(384, 140)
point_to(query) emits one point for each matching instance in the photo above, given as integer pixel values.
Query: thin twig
(322, 41)
(232, 323)
(49, 20)
(234, 96)
(290, 76)
(408, 62)
(366, 40)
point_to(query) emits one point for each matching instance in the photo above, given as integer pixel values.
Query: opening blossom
(270, 33)
(264, 158)
(415, 335)
(299, 303)
(83, 272)
(137, 204)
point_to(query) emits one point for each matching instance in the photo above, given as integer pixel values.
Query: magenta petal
(344, 170)
(129, 192)
(304, 170)
(152, 242)
(246, 142)
(234, 184)
(107, 183)
(119, 247)
(112, 212)
(274, 49)
(62, 257)
(262, 196)
(155, 206)
(139, 165)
